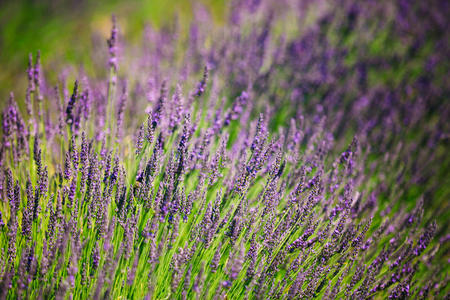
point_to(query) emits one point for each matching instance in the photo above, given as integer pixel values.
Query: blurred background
(66, 31)
(71, 32)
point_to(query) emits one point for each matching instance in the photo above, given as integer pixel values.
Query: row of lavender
(262, 160)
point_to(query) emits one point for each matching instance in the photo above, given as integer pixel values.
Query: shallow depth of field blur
(310, 137)
(67, 31)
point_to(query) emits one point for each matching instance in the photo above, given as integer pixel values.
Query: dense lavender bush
(297, 151)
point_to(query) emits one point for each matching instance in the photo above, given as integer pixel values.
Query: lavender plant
(281, 155)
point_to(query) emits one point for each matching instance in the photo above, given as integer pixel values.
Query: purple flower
(67, 166)
(112, 45)
(140, 140)
(237, 262)
(237, 108)
(425, 239)
(177, 108)
(202, 84)
(71, 105)
(120, 111)
(95, 258)
(216, 259)
(30, 74)
(37, 70)
(160, 105)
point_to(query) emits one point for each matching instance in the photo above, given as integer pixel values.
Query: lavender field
(291, 149)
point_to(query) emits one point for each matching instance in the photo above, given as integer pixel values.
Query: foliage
(282, 154)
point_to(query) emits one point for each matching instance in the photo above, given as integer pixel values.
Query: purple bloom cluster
(289, 170)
